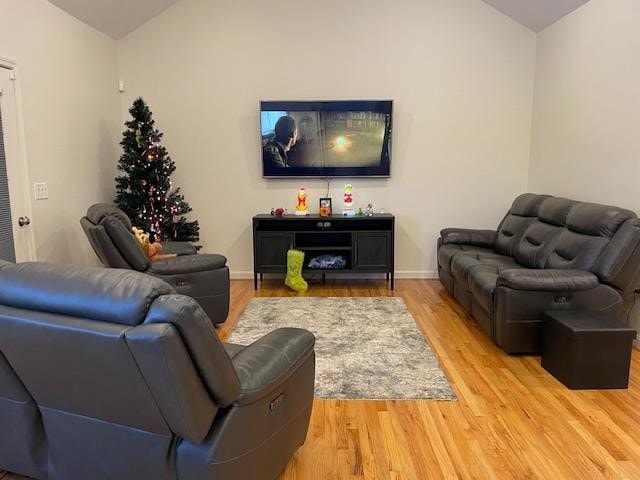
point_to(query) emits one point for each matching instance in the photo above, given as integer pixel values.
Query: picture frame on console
(325, 207)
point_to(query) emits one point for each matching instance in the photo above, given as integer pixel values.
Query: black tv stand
(365, 243)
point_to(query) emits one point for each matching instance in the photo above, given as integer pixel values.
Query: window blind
(7, 247)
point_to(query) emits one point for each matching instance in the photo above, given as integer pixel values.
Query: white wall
(586, 133)
(460, 74)
(586, 128)
(68, 77)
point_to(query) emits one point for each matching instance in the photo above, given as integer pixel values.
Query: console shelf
(365, 243)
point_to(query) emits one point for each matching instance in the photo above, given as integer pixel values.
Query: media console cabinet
(365, 243)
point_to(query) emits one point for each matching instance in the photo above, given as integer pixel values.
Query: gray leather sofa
(548, 253)
(204, 277)
(108, 374)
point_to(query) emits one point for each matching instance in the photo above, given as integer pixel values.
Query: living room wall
(68, 77)
(586, 139)
(460, 74)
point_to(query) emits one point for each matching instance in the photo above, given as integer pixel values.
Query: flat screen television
(326, 138)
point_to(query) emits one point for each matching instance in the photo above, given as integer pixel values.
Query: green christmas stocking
(294, 278)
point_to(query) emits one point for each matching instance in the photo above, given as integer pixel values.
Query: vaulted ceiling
(117, 18)
(536, 14)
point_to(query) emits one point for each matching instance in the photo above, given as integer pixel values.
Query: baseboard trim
(404, 274)
(428, 274)
(240, 275)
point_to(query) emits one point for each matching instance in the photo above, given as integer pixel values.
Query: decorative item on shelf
(325, 207)
(360, 213)
(369, 210)
(348, 200)
(302, 207)
(278, 212)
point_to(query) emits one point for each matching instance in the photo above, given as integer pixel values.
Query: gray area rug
(366, 348)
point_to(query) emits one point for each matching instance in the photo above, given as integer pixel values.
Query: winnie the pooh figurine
(302, 207)
(151, 250)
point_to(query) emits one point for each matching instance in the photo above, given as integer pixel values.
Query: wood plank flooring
(512, 419)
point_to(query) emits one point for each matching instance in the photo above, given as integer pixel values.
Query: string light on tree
(144, 189)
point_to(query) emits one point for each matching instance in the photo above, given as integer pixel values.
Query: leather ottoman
(587, 350)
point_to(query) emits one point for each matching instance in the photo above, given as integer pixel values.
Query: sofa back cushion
(619, 264)
(539, 239)
(590, 228)
(109, 232)
(523, 212)
(107, 295)
(541, 231)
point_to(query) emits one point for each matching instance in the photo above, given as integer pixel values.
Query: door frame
(11, 65)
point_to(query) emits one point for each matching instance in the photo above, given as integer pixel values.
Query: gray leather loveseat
(108, 374)
(548, 253)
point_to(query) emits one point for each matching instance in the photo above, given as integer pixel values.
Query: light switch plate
(41, 191)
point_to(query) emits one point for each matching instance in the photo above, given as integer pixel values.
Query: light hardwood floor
(512, 419)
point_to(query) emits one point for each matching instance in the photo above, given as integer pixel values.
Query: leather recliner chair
(108, 374)
(203, 277)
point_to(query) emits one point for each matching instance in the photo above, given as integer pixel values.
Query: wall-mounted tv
(326, 138)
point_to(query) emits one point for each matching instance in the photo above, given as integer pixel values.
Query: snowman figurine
(348, 201)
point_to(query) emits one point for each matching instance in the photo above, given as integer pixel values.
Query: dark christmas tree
(144, 187)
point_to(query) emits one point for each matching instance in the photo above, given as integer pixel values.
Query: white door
(16, 230)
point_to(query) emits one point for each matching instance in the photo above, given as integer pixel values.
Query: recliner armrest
(468, 236)
(187, 264)
(270, 360)
(548, 280)
(179, 248)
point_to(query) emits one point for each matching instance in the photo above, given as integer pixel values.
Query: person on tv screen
(274, 152)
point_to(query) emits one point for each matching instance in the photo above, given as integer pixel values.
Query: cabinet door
(373, 251)
(271, 251)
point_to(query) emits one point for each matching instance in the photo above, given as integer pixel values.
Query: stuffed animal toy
(151, 250)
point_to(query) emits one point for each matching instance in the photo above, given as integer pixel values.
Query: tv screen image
(326, 138)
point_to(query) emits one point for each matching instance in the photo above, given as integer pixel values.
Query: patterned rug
(366, 348)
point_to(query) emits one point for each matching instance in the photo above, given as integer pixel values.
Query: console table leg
(323, 278)
(255, 281)
(391, 280)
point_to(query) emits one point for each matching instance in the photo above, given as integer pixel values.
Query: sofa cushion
(462, 265)
(447, 252)
(536, 244)
(538, 240)
(522, 213)
(597, 220)
(482, 283)
(98, 212)
(576, 251)
(125, 242)
(555, 210)
(527, 204)
(103, 294)
(617, 265)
